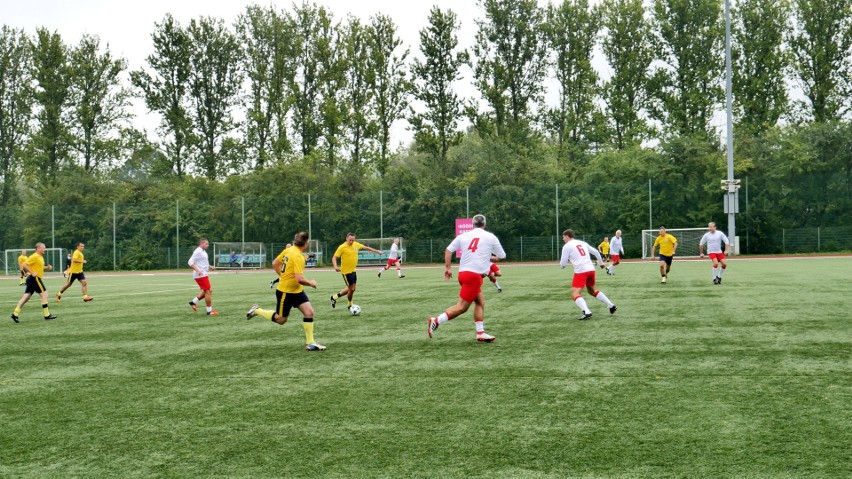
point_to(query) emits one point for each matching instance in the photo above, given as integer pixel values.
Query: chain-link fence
(160, 233)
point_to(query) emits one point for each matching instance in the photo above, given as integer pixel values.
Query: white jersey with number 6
(578, 253)
(477, 246)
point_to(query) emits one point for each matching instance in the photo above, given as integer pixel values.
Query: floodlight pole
(381, 214)
(309, 217)
(177, 232)
(731, 197)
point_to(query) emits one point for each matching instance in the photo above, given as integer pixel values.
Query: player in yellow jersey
(668, 247)
(21, 260)
(34, 267)
(348, 254)
(75, 272)
(290, 266)
(603, 248)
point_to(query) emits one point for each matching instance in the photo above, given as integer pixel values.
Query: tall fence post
(53, 228)
(557, 209)
(467, 196)
(114, 247)
(381, 214)
(309, 216)
(243, 216)
(819, 243)
(650, 207)
(522, 248)
(783, 240)
(177, 233)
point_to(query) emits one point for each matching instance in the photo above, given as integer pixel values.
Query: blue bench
(368, 257)
(243, 261)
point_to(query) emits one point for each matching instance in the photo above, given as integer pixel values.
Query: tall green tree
(166, 89)
(821, 41)
(688, 40)
(214, 81)
(760, 61)
(269, 63)
(627, 48)
(436, 126)
(390, 85)
(360, 98)
(510, 66)
(313, 29)
(570, 31)
(334, 111)
(16, 103)
(51, 141)
(100, 102)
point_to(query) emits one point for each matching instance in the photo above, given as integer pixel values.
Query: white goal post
(56, 257)
(687, 241)
(238, 255)
(381, 244)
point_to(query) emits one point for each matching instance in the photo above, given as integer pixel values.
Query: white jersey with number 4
(394, 252)
(579, 254)
(199, 259)
(476, 246)
(714, 241)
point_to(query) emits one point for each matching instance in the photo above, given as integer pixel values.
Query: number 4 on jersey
(474, 244)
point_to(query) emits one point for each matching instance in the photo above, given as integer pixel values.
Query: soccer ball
(355, 310)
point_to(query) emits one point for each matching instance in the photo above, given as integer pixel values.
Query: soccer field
(750, 378)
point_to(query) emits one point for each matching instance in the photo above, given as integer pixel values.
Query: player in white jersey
(616, 249)
(578, 253)
(393, 260)
(477, 247)
(200, 265)
(714, 240)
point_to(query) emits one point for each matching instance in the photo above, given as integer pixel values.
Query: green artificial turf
(750, 378)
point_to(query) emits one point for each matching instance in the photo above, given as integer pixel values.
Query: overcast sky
(127, 26)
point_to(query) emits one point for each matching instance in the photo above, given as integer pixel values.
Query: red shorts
(493, 269)
(471, 285)
(203, 283)
(392, 262)
(716, 256)
(615, 258)
(583, 280)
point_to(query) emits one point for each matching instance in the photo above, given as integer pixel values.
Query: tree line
(307, 100)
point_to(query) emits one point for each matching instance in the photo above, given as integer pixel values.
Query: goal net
(57, 257)
(381, 244)
(313, 253)
(239, 255)
(687, 241)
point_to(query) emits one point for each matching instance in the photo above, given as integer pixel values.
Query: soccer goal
(56, 257)
(687, 241)
(381, 244)
(239, 255)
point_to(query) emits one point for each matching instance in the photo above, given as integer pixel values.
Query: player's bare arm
(334, 263)
(276, 265)
(448, 270)
(305, 281)
(374, 250)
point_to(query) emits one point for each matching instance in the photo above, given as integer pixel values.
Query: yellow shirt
(604, 247)
(348, 256)
(76, 262)
(36, 264)
(21, 260)
(666, 244)
(292, 262)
